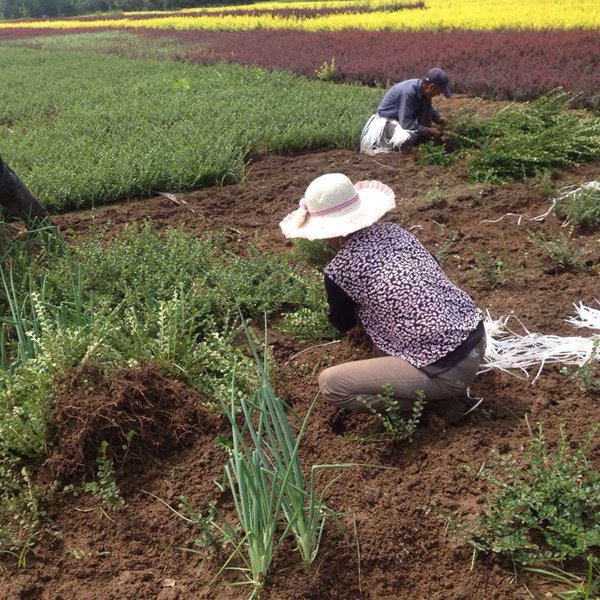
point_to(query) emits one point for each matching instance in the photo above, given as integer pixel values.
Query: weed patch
(546, 509)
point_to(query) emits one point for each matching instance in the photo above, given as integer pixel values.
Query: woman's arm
(342, 309)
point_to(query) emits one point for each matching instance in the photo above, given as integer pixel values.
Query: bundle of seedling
(527, 139)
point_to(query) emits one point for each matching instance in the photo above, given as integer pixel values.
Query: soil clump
(137, 411)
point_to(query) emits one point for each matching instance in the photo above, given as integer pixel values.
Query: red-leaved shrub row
(493, 64)
(512, 65)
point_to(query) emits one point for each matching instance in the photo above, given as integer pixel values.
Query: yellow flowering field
(436, 15)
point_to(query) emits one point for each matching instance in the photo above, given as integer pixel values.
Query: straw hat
(333, 207)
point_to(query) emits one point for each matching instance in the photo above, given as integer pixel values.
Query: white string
(565, 193)
(507, 350)
(523, 217)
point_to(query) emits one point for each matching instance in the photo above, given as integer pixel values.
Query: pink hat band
(331, 209)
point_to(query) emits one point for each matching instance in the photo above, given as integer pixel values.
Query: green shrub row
(84, 128)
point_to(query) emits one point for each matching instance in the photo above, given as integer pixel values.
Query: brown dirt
(391, 515)
(137, 411)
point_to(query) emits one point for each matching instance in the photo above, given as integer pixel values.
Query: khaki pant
(356, 385)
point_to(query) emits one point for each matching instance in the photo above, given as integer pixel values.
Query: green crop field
(84, 129)
(163, 434)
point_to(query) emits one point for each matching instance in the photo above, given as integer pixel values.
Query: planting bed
(389, 541)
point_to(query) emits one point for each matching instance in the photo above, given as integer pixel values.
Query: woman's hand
(357, 336)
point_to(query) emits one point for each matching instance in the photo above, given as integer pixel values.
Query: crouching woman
(426, 333)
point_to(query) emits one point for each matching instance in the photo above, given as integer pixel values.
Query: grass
(574, 584)
(125, 127)
(119, 43)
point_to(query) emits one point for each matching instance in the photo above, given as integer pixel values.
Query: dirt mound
(137, 411)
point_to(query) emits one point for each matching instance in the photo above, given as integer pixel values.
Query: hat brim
(446, 91)
(374, 200)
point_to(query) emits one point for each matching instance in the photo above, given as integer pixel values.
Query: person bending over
(426, 333)
(16, 201)
(405, 116)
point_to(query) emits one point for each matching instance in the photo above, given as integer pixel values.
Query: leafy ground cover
(141, 299)
(139, 125)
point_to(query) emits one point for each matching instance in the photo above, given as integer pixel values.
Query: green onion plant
(267, 481)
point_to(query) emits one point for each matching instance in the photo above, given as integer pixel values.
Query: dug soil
(391, 539)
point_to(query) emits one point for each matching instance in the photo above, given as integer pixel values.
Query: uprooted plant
(528, 139)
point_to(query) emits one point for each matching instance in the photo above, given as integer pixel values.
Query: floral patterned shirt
(405, 302)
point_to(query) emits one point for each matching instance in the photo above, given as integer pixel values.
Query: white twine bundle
(565, 193)
(586, 317)
(372, 137)
(508, 350)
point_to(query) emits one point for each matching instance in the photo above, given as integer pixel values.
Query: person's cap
(439, 77)
(332, 206)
